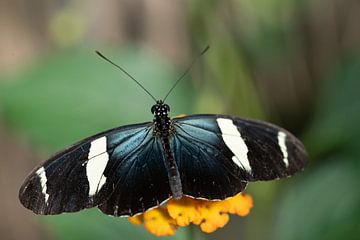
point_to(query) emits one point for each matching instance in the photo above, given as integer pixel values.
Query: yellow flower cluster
(209, 215)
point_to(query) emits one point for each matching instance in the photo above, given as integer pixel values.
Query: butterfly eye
(167, 107)
(153, 109)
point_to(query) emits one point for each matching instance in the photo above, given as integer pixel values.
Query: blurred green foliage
(74, 94)
(324, 204)
(336, 122)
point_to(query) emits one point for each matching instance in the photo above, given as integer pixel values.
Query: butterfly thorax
(162, 121)
(163, 129)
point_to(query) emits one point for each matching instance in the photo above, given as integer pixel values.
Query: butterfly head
(160, 109)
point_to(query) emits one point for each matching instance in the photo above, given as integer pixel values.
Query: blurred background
(295, 63)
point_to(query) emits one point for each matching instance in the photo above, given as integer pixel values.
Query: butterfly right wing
(218, 154)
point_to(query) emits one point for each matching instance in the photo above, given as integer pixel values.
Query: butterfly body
(163, 129)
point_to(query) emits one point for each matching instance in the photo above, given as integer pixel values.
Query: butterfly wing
(218, 154)
(86, 174)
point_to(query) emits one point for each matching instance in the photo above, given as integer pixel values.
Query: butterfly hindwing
(85, 174)
(250, 150)
(141, 178)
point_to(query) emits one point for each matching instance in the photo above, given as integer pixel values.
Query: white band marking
(42, 175)
(235, 143)
(282, 144)
(98, 158)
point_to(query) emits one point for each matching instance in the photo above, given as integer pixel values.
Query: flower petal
(240, 204)
(184, 211)
(211, 225)
(213, 215)
(158, 222)
(138, 219)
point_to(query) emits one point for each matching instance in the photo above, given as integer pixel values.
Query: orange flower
(210, 215)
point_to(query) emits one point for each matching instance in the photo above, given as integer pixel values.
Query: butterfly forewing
(249, 150)
(273, 152)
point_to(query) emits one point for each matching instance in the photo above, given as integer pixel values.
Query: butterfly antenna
(186, 71)
(128, 74)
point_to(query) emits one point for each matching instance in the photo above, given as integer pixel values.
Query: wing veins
(221, 153)
(207, 130)
(130, 170)
(132, 151)
(197, 139)
(256, 126)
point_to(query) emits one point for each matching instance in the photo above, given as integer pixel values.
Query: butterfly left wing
(86, 174)
(219, 153)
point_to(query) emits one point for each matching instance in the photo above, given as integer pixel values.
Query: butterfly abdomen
(163, 129)
(172, 170)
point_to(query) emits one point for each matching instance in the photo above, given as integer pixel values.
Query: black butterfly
(127, 170)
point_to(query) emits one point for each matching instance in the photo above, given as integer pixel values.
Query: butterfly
(130, 169)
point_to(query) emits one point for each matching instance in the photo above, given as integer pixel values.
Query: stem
(194, 233)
